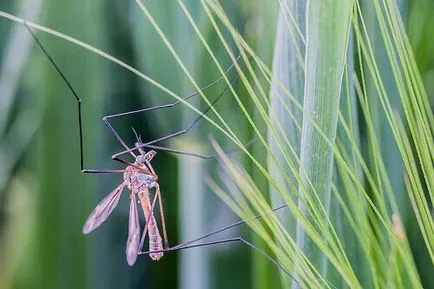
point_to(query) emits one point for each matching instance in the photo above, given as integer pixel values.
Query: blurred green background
(44, 199)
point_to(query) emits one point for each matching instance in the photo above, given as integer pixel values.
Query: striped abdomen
(155, 241)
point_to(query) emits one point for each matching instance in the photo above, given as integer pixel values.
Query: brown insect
(139, 178)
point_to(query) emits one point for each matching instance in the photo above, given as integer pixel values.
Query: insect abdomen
(155, 241)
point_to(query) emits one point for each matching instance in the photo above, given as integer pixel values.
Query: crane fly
(139, 178)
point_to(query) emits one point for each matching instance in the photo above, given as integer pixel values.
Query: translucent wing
(103, 210)
(133, 241)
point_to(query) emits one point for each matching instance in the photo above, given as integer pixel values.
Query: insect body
(139, 178)
(139, 183)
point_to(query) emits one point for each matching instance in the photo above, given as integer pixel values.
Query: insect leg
(151, 144)
(191, 243)
(201, 156)
(227, 227)
(231, 240)
(247, 243)
(107, 118)
(180, 132)
(78, 101)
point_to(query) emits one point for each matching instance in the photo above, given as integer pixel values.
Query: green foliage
(348, 145)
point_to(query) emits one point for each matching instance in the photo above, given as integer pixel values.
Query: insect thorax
(137, 180)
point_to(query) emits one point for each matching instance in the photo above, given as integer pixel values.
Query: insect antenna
(138, 137)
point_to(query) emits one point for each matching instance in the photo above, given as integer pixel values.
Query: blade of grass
(367, 51)
(327, 38)
(287, 70)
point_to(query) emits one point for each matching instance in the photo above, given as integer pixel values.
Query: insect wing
(103, 210)
(133, 241)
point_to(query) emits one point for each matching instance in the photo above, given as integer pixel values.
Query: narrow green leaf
(327, 37)
(287, 71)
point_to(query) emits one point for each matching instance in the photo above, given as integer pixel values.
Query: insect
(139, 177)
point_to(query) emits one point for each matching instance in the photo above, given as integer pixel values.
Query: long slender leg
(182, 131)
(158, 107)
(118, 137)
(169, 105)
(150, 145)
(229, 240)
(204, 157)
(234, 240)
(227, 227)
(79, 101)
(190, 244)
(107, 118)
(103, 171)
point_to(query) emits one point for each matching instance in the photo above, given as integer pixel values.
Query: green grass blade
(348, 142)
(288, 72)
(327, 37)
